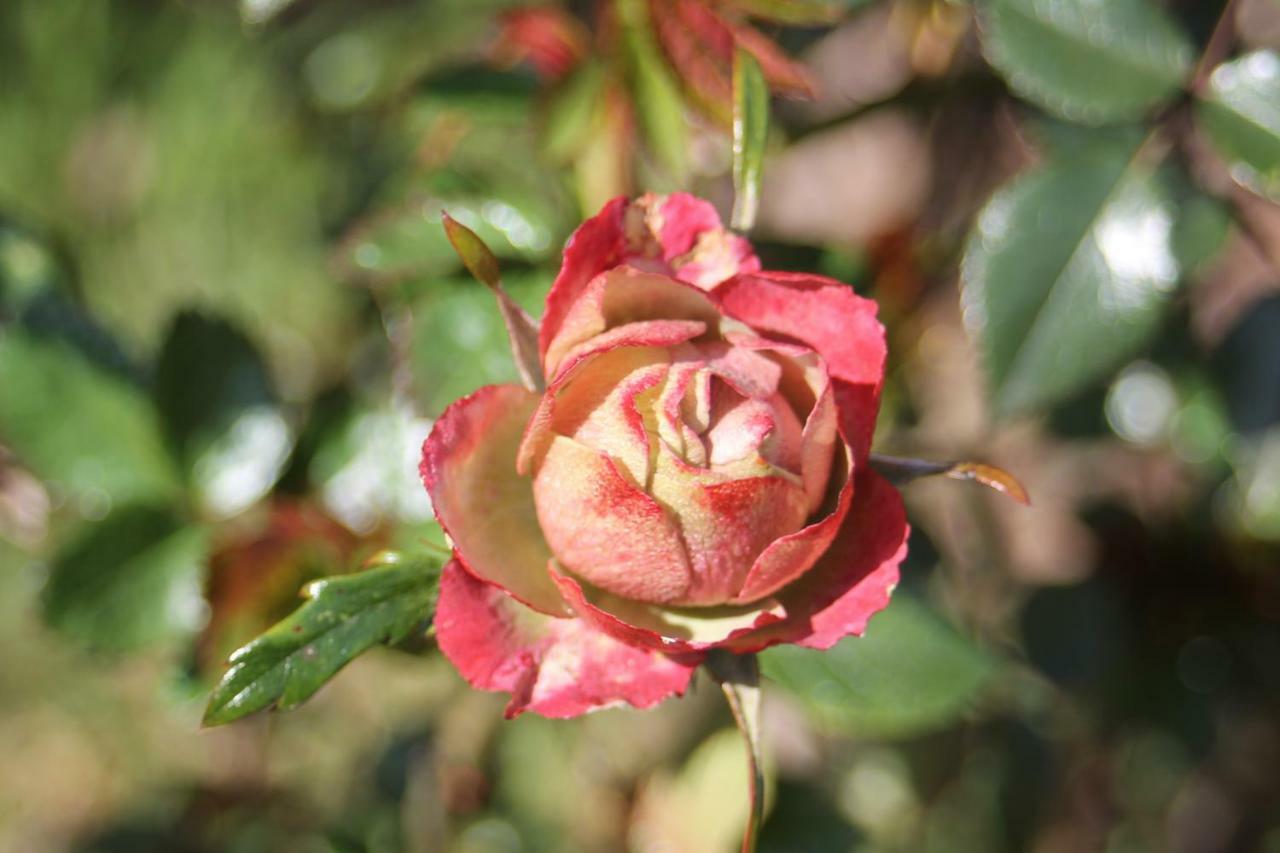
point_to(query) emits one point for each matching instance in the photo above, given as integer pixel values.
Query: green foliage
(1087, 61)
(1068, 272)
(127, 581)
(344, 616)
(909, 673)
(1241, 112)
(91, 433)
(220, 412)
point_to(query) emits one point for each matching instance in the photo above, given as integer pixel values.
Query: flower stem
(739, 678)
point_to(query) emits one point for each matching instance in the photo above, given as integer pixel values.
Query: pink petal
(789, 557)
(678, 234)
(828, 317)
(622, 296)
(469, 468)
(605, 528)
(551, 666)
(726, 520)
(853, 580)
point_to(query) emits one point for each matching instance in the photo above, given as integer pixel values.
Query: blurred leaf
(129, 580)
(750, 133)
(1241, 112)
(570, 110)
(910, 673)
(1201, 232)
(84, 430)
(658, 101)
(1087, 61)
(1245, 367)
(697, 809)
(344, 617)
(1068, 273)
(221, 413)
(801, 12)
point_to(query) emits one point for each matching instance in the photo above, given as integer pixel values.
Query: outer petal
(551, 666)
(597, 245)
(830, 318)
(605, 528)
(852, 581)
(469, 468)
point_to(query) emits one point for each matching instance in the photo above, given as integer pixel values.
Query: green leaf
(750, 132)
(910, 673)
(129, 580)
(1241, 112)
(796, 12)
(658, 99)
(1068, 272)
(345, 616)
(86, 431)
(1084, 60)
(570, 111)
(221, 413)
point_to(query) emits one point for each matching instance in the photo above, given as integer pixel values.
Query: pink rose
(695, 475)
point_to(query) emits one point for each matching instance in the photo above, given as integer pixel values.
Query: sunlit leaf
(1068, 273)
(910, 673)
(1087, 61)
(344, 616)
(750, 132)
(221, 413)
(129, 580)
(903, 470)
(88, 432)
(570, 110)
(1241, 111)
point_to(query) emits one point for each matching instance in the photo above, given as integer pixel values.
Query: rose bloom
(695, 475)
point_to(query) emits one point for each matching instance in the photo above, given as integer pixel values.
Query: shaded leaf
(129, 580)
(1241, 112)
(344, 617)
(85, 430)
(750, 132)
(1087, 61)
(1068, 273)
(910, 673)
(221, 413)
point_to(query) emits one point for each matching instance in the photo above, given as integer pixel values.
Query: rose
(694, 476)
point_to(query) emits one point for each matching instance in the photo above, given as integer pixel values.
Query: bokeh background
(228, 315)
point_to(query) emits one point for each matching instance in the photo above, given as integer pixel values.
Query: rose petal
(726, 520)
(679, 234)
(606, 529)
(621, 296)
(789, 557)
(551, 666)
(674, 630)
(853, 580)
(469, 468)
(830, 318)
